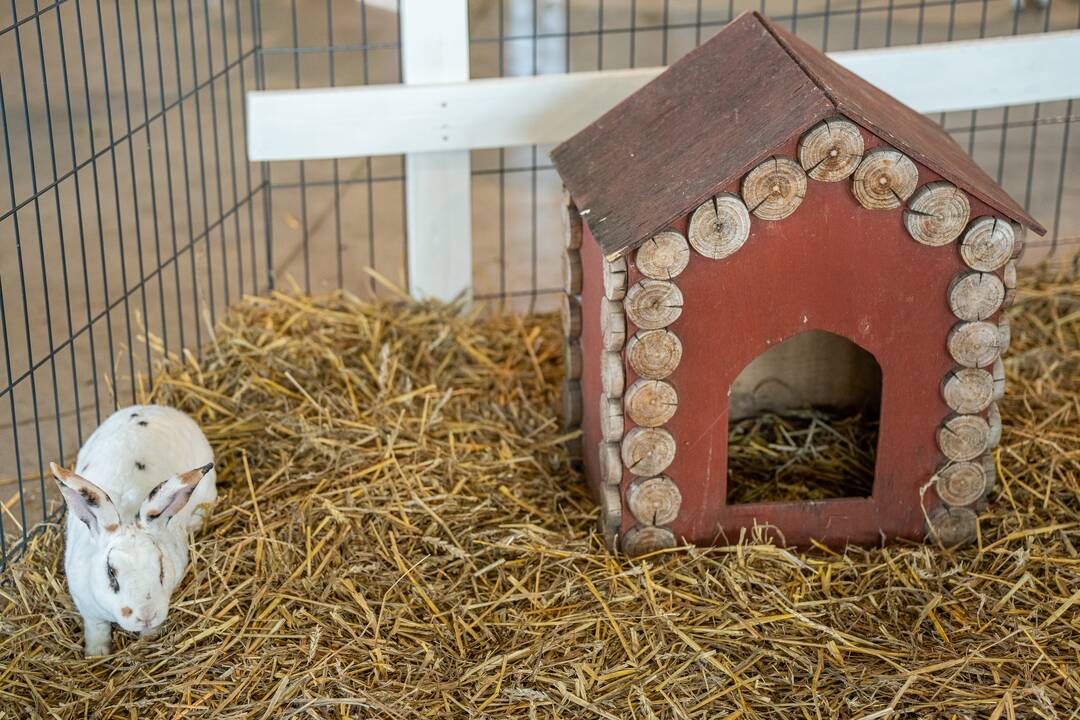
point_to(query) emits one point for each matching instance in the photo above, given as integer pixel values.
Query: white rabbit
(131, 502)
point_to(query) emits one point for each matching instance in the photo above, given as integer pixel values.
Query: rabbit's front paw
(98, 640)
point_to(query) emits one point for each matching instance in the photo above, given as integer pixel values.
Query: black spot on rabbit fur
(140, 465)
(155, 491)
(90, 497)
(134, 414)
(143, 423)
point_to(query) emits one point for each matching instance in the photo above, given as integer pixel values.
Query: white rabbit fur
(143, 481)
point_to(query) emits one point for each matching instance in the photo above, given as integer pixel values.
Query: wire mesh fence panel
(132, 219)
(330, 220)
(1028, 149)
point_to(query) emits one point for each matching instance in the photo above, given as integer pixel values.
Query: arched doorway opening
(803, 422)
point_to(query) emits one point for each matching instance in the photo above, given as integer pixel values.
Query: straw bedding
(400, 535)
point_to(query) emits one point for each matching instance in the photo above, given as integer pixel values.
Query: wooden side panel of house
(592, 289)
(831, 266)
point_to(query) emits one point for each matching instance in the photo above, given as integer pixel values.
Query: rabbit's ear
(166, 499)
(86, 501)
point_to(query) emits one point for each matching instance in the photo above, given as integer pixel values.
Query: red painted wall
(833, 265)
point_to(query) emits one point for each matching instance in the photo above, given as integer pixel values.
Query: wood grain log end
(831, 150)
(937, 213)
(663, 256)
(774, 189)
(653, 304)
(885, 179)
(644, 539)
(952, 527)
(654, 501)
(963, 437)
(651, 403)
(654, 354)
(719, 227)
(647, 451)
(961, 484)
(987, 243)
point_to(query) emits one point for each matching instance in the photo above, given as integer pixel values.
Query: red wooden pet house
(755, 193)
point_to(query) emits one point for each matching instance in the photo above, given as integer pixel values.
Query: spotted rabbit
(143, 480)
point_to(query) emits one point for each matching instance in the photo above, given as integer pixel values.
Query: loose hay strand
(400, 535)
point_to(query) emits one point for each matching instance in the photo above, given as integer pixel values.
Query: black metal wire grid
(134, 219)
(131, 217)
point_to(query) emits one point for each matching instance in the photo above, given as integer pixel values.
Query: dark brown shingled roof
(718, 111)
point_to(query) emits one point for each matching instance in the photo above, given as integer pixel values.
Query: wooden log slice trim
(571, 272)
(1019, 240)
(989, 466)
(653, 304)
(1008, 278)
(663, 256)
(615, 275)
(993, 420)
(974, 344)
(937, 213)
(884, 179)
(611, 469)
(612, 374)
(648, 451)
(571, 222)
(612, 325)
(644, 539)
(571, 404)
(1004, 333)
(571, 316)
(987, 244)
(953, 526)
(963, 437)
(654, 501)
(1010, 298)
(831, 150)
(774, 189)
(998, 374)
(968, 390)
(572, 360)
(654, 354)
(719, 226)
(1008, 275)
(610, 520)
(611, 419)
(961, 483)
(651, 403)
(975, 295)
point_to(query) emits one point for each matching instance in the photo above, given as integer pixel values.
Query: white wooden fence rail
(438, 115)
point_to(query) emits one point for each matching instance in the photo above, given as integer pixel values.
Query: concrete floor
(168, 196)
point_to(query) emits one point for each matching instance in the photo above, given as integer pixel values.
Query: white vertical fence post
(438, 210)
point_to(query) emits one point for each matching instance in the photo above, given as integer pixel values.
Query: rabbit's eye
(161, 573)
(114, 584)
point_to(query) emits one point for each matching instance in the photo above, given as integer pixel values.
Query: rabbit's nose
(146, 618)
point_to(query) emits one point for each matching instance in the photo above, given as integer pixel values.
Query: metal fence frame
(132, 219)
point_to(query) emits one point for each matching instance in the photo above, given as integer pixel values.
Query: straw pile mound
(400, 535)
